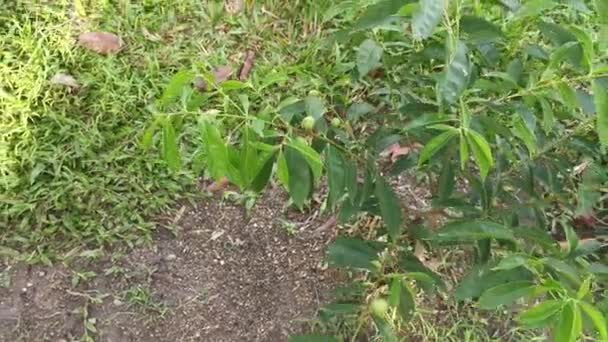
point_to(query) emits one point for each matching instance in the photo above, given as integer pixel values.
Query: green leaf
(586, 44)
(505, 294)
(533, 8)
(389, 207)
(457, 74)
(570, 273)
(427, 17)
(480, 30)
(248, 161)
(402, 298)
(385, 329)
(601, 108)
(300, 176)
(569, 326)
(217, 152)
(473, 231)
(482, 278)
(540, 314)
(571, 238)
(377, 13)
(148, 136)
(312, 157)
(368, 57)
(282, 171)
(170, 151)
(232, 85)
(481, 152)
(263, 174)
(411, 264)
(312, 338)
(434, 145)
(464, 151)
(174, 89)
(598, 319)
(336, 175)
(511, 262)
(548, 115)
(521, 130)
(353, 253)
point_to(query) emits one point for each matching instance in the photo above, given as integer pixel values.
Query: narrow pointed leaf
(377, 13)
(336, 175)
(598, 319)
(353, 253)
(300, 176)
(481, 152)
(540, 314)
(473, 231)
(174, 89)
(312, 157)
(170, 150)
(389, 207)
(434, 145)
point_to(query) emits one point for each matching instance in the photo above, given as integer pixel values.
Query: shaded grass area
(71, 168)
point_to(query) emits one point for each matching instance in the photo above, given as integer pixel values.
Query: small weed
(140, 296)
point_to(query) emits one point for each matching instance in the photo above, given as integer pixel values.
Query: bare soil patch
(222, 276)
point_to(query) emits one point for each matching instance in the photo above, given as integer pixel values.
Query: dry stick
(331, 222)
(247, 65)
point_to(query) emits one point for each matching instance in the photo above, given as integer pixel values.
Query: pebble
(170, 257)
(29, 284)
(117, 302)
(41, 274)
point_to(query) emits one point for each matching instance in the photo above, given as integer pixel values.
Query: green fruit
(378, 307)
(314, 93)
(336, 122)
(308, 123)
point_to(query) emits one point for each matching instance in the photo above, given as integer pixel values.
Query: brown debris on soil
(247, 65)
(222, 277)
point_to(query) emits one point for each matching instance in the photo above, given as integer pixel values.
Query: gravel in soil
(222, 276)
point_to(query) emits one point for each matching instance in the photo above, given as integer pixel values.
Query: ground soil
(222, 275)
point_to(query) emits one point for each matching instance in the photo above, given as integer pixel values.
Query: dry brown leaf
(65, 80)
(234, 6)
(247, 65)
(395, 151)
(220, 75)
(104, 43)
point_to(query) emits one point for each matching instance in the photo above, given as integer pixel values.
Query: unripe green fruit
(314, 93)
(378, 307)
(308, 123)
(336, 122)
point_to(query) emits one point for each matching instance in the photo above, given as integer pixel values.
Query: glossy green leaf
(312, 157)
(464, 151)
(300, 176)
(427, 17)
(368, 57)
(598, 319)
(511, 262)
(336, 175)
(481, 152)
(377, 13)
(505, 294)
(569, 326)
(601, 107)
(411, 264)
(233, 85)
(175, 87)
(249, 159)
(473, 231)
(586, 43)
(264, 172)
(533, 8)
(390, 208)
(170, 150)
(541, 314)
(353, 253)
(434, 145)
(457, 74)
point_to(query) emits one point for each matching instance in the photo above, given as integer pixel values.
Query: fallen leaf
(395, 151)
(220, 75)
(247, 65)
(104, 43)
(234, 6)
(65, 80)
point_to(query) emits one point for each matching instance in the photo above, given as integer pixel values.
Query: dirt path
(221, 277)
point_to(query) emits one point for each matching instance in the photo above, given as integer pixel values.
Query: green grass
(72, 171)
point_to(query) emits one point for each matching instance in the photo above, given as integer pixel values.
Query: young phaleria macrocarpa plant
(509, 100)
